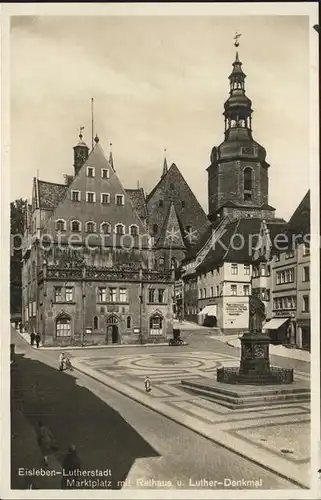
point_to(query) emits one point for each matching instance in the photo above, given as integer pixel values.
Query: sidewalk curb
(114, 387)
(69, 348)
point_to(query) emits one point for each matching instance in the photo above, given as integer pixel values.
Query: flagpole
(92, 123)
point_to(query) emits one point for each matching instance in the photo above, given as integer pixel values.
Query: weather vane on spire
(80, 131)
(236, 38)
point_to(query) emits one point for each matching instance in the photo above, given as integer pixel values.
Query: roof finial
(96, 139)
(165, 167)
(111, 159)
(236, 38)
(80, 132)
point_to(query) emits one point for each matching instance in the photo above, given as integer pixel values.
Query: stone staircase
(241, 396)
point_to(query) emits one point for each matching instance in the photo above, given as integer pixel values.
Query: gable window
(120, 199)
(90, 197)
(123, 295)
(58, 294)
(90, 172)
(128, 322)
(69, 293)
(234, 268)
(105, 173)
(60, 225)
(75, 226)
(105, 198)
(75, 195)
(90, 227)
(105, 228)
(120, 229)
(95, 323)
(102, 295)
(133, 230)
(160, 203)
(247, 183)
(155, 228)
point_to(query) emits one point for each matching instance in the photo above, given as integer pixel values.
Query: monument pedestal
(255, 366)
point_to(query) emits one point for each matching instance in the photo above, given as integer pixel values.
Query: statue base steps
(248, 396)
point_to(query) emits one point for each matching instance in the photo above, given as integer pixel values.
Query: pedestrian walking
(147, 384)
(70, 466)
(32, 338)
(61, 361)
(46, 441)
(37, 340)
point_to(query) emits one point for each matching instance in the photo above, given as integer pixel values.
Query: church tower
(238, 173)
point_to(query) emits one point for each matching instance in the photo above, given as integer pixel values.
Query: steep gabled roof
(172, 233)
(137, 198)
(50, 194)
(300, 220)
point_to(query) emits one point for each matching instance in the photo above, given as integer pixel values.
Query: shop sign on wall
(235, 309)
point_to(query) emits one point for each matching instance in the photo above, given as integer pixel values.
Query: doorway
(112, 332)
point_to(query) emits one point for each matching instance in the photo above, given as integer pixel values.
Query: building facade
(89, 269)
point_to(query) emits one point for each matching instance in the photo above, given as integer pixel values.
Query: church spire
(237, 108)
(165, 167)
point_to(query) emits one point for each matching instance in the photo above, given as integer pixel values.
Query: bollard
(147, 384)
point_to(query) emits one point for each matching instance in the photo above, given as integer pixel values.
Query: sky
(158, 82)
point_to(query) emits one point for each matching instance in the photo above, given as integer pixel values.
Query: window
(234, 289)
(289, 254)
(63, 327)
(277, 257)
(105, 198)
(90, 172)
(58, 294)
(105, 228)
(90, 197)
(246, 269)
(268, 270)
(306, 249)
(128, 322)
(306, 303)
(212, 291)
(95, 323)
(120, 199)
(155, 228)
(217, 291)
(256, 272)
(246, 289)
(120, 229)
(306, 273)
(151, 295)
(60, 225)
(161, 262)
(247, 184)
(286, 276)
(69, 294)
(201, 293)
(183, 204)
(90, 227)
(133, 230)
(160, 203)
(75, 225)
(112, 295)
(123, 295)
(204, 293)
(263, 270)
(265, 294)
(102, 295)
(234, 269)
(161, 295)
(155, 325)
(75, 195)
(105, 173)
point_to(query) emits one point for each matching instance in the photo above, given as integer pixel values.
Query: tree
(17, 222)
